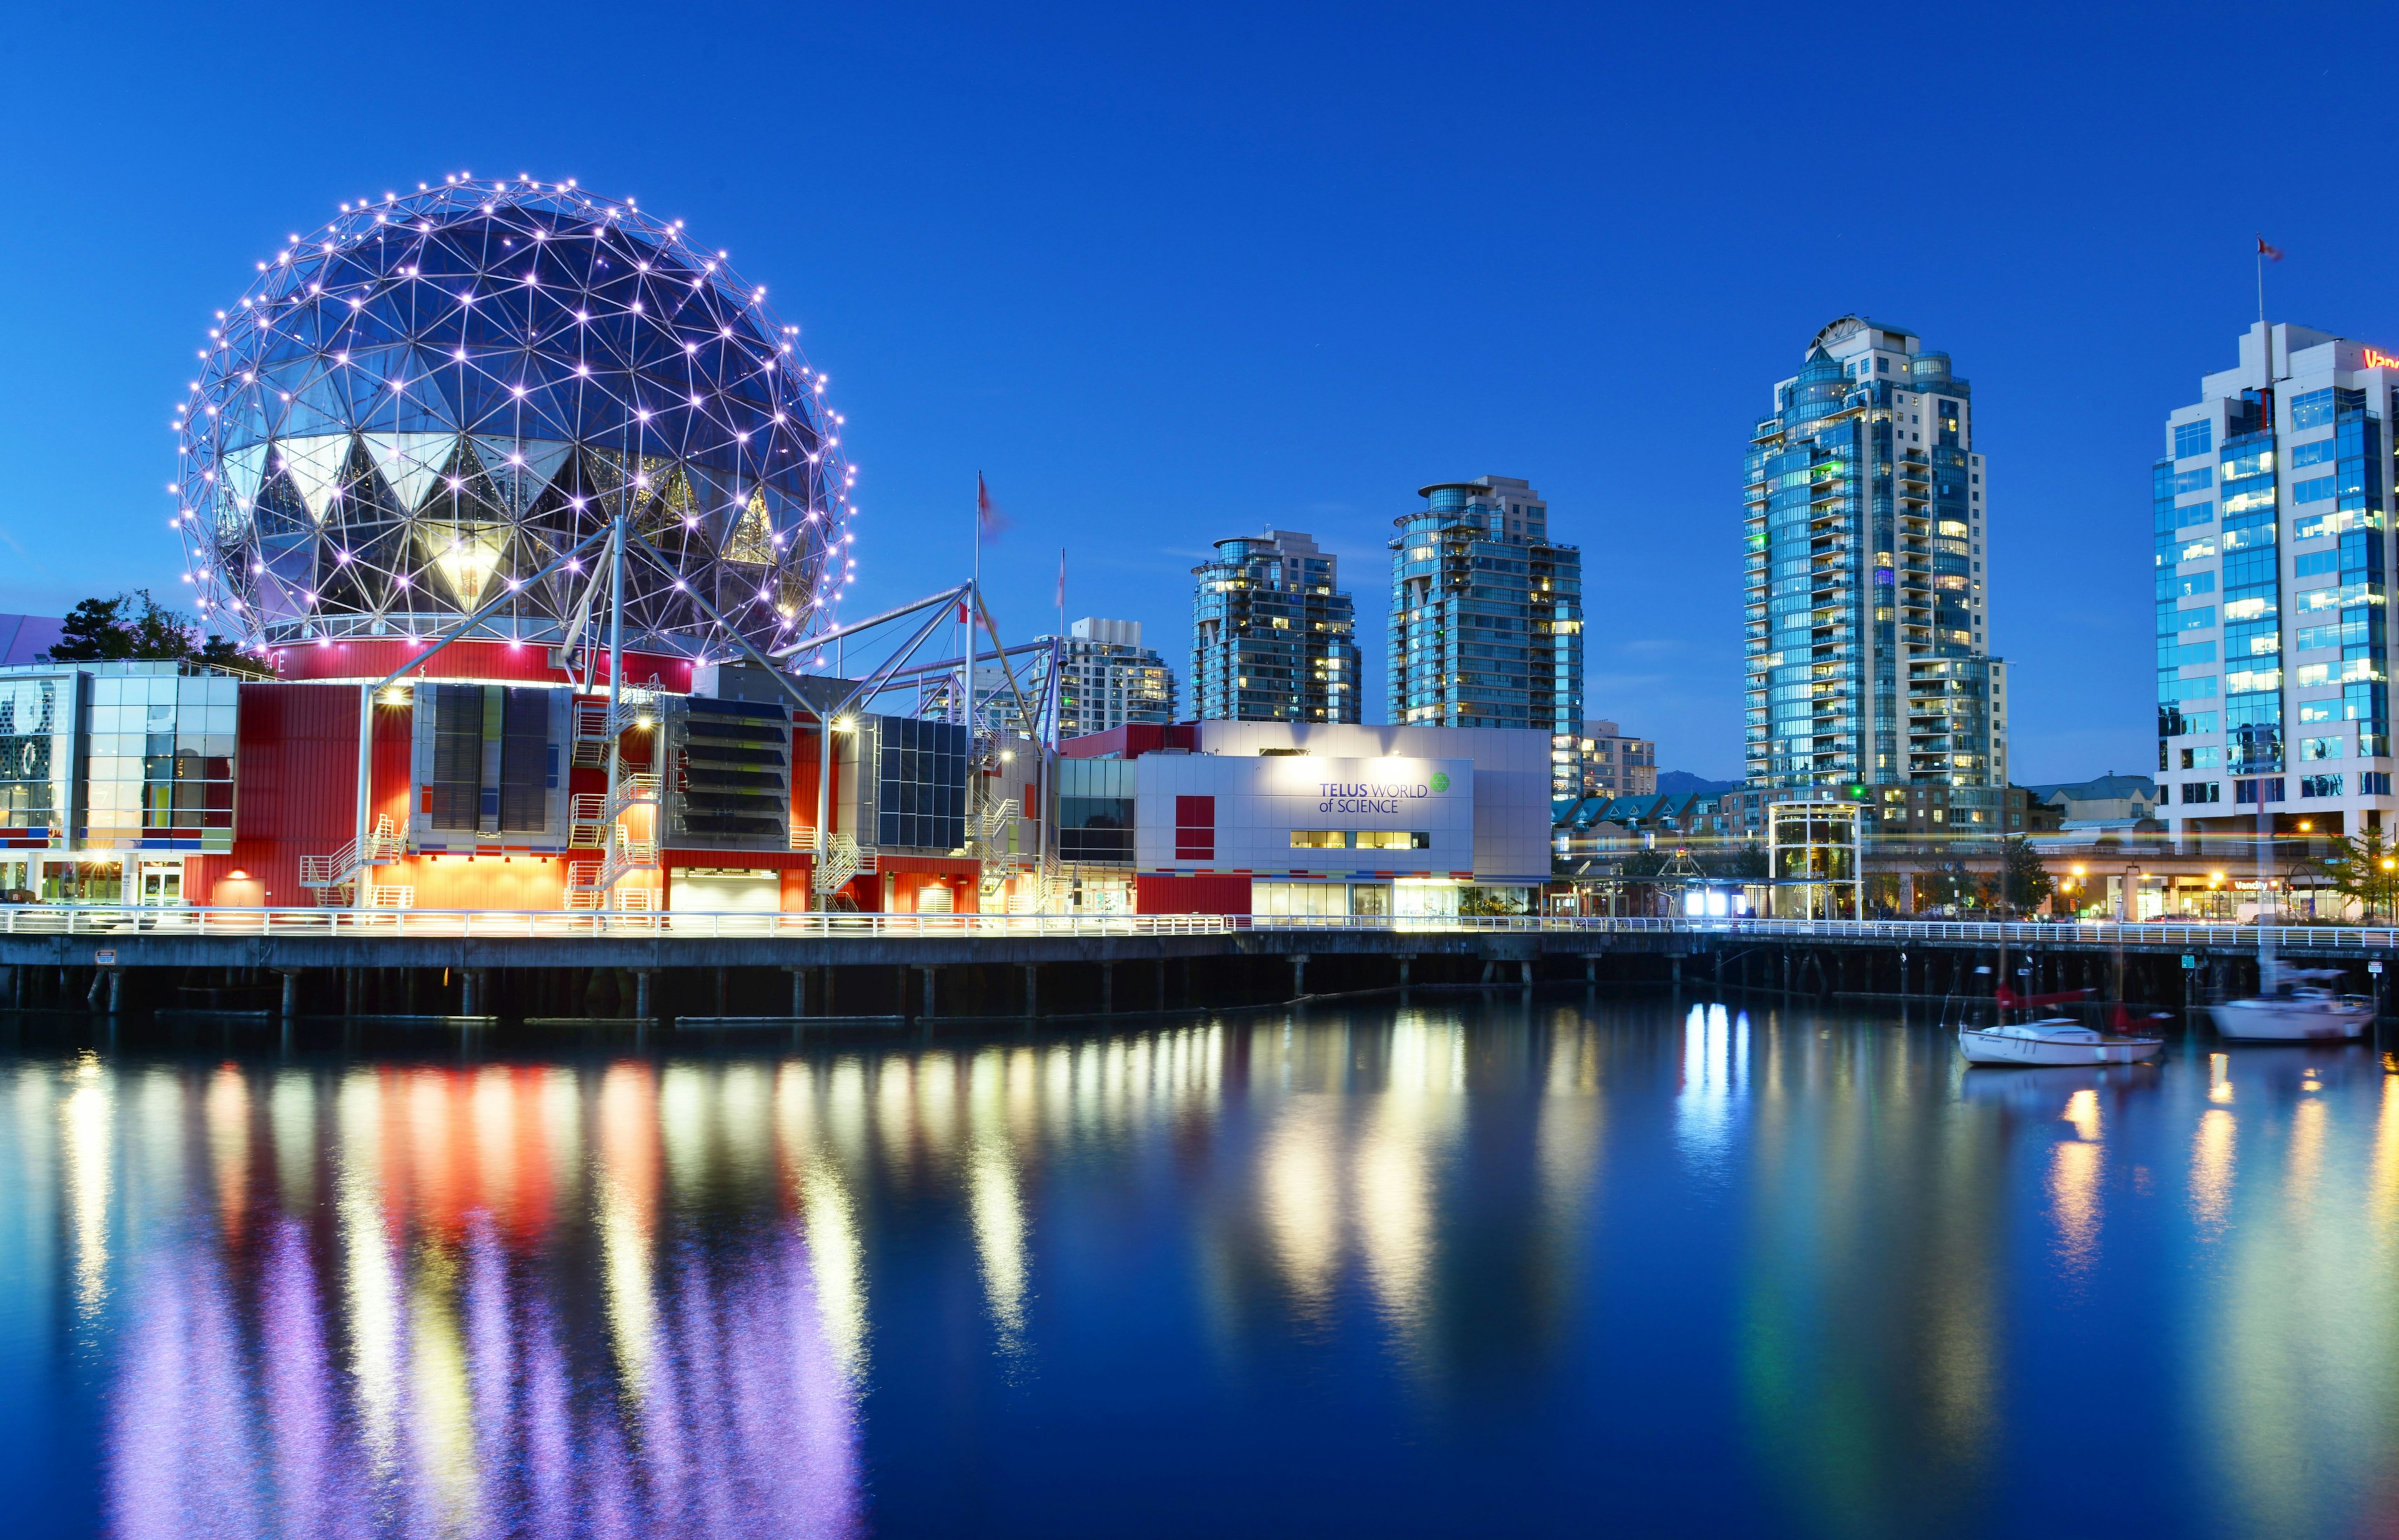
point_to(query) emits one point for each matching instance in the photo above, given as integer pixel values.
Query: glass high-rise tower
(1107, 679)
(1487, 619)
(1273, 638)
(1867, 659)
(2274, 670)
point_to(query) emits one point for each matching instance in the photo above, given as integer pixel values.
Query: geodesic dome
(416, 409)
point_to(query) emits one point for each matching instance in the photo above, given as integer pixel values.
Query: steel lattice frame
(417, 408)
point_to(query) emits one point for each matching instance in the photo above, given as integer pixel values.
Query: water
(1491, 1267)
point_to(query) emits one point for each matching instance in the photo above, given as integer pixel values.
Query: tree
(2364, 867)
(2023, 881)
(1642, 863)
(1949, 884)
(1745, 863)
(136, 626)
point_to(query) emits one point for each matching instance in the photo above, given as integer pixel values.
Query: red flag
(989, 520)
(2271, 253)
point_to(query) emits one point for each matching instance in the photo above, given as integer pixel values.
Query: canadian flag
(988, 519)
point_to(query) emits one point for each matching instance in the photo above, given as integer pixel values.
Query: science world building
(533, 516)
(442, 462)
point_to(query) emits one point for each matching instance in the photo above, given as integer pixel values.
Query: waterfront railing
(498, 925)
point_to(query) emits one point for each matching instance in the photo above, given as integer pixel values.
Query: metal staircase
(594, 820)
(590, 812)
(622, 855)
(988, 842)
(334, 878)
(596, 726)
(844, 860)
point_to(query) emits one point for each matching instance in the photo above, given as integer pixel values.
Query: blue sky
(1166, 275)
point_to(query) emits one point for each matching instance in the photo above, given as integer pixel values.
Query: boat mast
(2258, 763)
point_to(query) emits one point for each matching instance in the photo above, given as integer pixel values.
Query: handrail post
(365, 873)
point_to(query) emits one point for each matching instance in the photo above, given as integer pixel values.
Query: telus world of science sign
(1303, 815)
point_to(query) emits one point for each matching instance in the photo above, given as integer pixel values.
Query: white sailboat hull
(2289, 1020)
(2052, 1043)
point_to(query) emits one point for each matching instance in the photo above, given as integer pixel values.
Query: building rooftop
(22, 636)
(2105, 788)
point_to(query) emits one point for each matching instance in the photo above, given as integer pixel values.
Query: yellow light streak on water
(441, 1424)
(228, 1124)
(2083, 1111)
(493, 1118)
(2384, 1208)
(2074, 1170)
(85, 1118)
(996, 1201)
(371, 1275)
(292, 1115)
(828, 1217)
(1406, 1136)
(1299, 1199)
(2211, 1172)
(627, 1193)
(894, 1094)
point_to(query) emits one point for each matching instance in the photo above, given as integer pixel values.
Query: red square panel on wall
(1195, 829)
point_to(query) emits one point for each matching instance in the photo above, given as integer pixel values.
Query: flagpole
(2257, 767)
(974, 603)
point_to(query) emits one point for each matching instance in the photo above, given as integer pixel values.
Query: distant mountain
(1678, 783)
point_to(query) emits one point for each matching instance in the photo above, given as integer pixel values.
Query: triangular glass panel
(521, 468)
(240, 468)
(409, 462)
(753, 539)
(317, 466)
(466, 555)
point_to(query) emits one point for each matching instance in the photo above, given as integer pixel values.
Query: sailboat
(2292, 1005)
(2051, 1038)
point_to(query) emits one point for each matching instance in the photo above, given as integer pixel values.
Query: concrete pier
(1069, 967)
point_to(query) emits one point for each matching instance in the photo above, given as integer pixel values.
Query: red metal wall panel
(1195, 829)
(497, 661)
(1201, 895)
(295, 793)
(1132, 740)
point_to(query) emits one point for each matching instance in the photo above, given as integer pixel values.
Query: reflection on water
(84, 1156)
(993, 1199)
(2305, 1411)
(1497, 1267)
(1872, 1319)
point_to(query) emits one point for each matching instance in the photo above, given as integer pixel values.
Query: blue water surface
(1548, 1264)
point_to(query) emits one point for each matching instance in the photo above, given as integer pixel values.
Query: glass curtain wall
(160, 772)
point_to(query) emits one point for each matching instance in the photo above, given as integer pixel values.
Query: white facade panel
(1510, 796)
(1276, 814)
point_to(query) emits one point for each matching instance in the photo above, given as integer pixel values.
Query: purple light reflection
(185, 1456)
(391, 1364)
